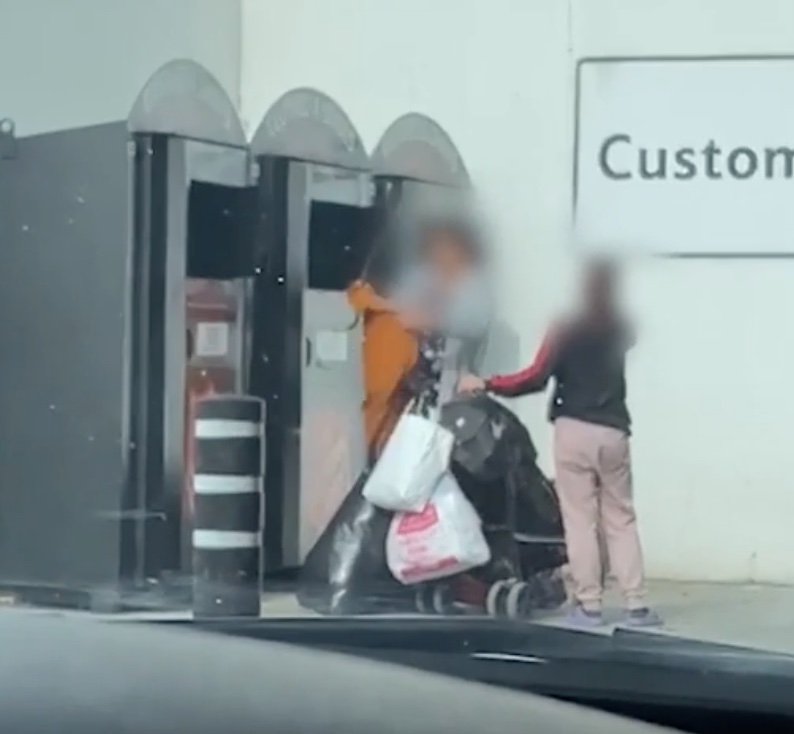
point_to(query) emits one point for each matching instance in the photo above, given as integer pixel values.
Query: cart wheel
(443, 599)
(491, 597)
(518, 600)
(497, 595)
(552, 591)
(424, 599)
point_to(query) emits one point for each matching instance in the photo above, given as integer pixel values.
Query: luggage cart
(506, 586)
(524, 574)
(521, 577)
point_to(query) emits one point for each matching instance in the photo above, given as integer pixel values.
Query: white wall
(67, 63)
(711, 383)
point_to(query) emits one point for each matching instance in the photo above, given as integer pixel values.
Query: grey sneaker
(644, 617)
(581, 617)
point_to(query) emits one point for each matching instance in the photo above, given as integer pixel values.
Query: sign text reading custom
(620, 158)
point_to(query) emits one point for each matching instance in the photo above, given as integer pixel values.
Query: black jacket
(587, 360)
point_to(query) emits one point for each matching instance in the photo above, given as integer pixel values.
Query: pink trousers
(593, 481)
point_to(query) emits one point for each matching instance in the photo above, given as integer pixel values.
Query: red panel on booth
(213, 364)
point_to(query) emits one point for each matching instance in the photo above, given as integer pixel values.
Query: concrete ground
(744, 615)
(735, 614)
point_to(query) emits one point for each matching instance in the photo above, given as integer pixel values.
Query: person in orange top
(440, 291)
(389, 352)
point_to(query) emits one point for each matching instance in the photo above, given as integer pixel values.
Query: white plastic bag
(442, 540)
(413, 461)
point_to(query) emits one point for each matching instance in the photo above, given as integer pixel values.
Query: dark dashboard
(691, 685)
(393, 676)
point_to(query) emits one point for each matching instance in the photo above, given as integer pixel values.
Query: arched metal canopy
(182, 98)
(416, 147)
(307, 125)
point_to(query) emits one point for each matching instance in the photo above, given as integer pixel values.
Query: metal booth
(149, 261)
(417, 171)
(314, 175)
(194, 215)
(118, 239)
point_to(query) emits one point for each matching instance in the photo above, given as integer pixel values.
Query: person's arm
(362, 298)
(534, 378)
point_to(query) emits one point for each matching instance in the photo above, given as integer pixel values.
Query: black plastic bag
(487, 436)
(478, 430)
(495, 462)
(346, 571)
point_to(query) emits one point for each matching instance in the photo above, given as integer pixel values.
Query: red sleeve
(533, 378)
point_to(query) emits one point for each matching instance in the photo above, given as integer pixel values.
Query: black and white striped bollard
(228, 506)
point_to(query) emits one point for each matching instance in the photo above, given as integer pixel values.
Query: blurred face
(447, 253)
(599, 288)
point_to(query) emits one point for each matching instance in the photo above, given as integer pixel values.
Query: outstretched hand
(414, 320)
(471, 383)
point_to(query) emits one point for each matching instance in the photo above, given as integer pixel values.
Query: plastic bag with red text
(442, 540)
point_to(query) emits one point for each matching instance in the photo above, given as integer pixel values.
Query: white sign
(212, 339)
(685, 156)
(331, 346)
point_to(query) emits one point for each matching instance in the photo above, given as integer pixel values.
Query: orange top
(389, 352)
